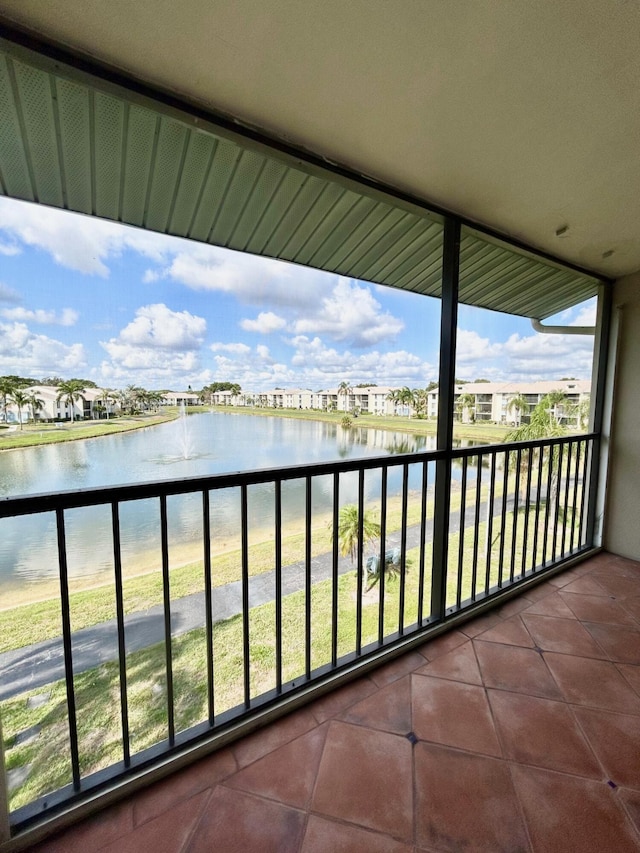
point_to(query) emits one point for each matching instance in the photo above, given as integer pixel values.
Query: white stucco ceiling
(522, 116)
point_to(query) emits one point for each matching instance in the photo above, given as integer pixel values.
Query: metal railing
(260, 617)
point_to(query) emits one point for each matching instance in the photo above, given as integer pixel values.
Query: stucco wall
(622, 507)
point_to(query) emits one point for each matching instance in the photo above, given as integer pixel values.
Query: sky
(85, 298)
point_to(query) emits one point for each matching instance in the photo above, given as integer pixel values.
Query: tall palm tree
(518, 403)
(35, 404)
(7, 386)
(420, 400)
(466, 403)
(346, 389)
(70, 392)
(348, 529)
(21, 399)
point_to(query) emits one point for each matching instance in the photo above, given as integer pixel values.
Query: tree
(70, 391)
(348, 529)
(21, 399)
(346, 389)
(8, 385)
(420, 400)
(402, 397)
(519, 404)
(35, 404)
(466, 403)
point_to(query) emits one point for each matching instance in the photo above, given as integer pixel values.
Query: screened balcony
(493, 603)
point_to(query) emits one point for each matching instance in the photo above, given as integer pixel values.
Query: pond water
(198, 445)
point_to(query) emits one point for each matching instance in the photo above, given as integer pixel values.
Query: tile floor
(518, 732)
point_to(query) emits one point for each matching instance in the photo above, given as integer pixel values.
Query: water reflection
(217, 443)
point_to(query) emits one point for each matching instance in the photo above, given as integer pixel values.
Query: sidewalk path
(43, 663)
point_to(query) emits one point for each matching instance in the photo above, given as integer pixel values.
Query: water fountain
(184, 434)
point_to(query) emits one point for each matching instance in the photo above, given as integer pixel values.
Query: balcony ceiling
(522, 117)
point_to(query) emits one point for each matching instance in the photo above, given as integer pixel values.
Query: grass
(35, 434)
(481, 431)
(97, 690)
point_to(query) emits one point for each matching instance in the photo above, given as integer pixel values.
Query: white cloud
(67, 317)
(81, 243)
(470, 347)
(265, 323)
(9, 249)
(157, 345)
(28, 354)
(351, 314)
(235, 349)
(158, 327)
(263, 352)
(7, 294)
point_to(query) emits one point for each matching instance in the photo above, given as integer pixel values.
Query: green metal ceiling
(79, 142)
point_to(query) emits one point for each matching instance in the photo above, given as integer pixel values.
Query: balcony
(517, 731)
(459, 532)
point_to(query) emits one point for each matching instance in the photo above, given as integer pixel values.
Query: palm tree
(402, 397)
(7, 386)
(348, 530)
(35, 404)
(346, 389)
(520, 404)
(420, 400)
(466, 403)
(70, 391)
(21, 399)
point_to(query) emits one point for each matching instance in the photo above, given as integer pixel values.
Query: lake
(198, 445)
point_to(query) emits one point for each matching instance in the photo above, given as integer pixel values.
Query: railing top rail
(11, 506)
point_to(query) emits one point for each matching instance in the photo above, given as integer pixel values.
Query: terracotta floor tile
(399, 667)
(206, 773)
(585, 586)
(593, 683)
(336, 701)
(590, 608)
(287, 774)
(327, 836)
(562, 635)
(270, 737)
(614, 584)
(631, 801)
(621, 644)
(458, 665)
(511, 631)
(388, 709)
(465, 802)
(615, 739)
(454, 714)
(235, 822)
(552, 605)
(541, 732)
(365, 778)
(442, 644)
(476, 626)
(515, 669)
(167, 833)
(631, 606)
(565, 813)
(93, 833)
(631, 674)
(516, 605)
(540, 591)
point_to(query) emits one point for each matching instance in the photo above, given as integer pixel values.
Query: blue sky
(80, 297)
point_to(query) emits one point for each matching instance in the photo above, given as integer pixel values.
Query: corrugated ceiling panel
(221, 170)
(108, 117)
(142, 128)
(257, 208)
(75, 136)
(73, 141)
(14, 172)
(170, 153)
(192, 180)
(280, 204)
(36, 105)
